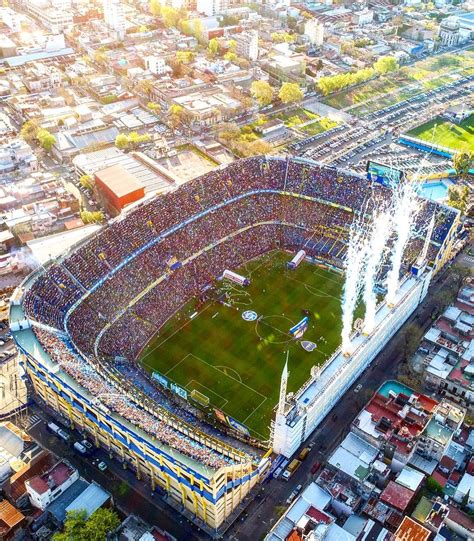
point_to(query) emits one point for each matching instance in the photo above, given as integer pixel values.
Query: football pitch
(237, 363)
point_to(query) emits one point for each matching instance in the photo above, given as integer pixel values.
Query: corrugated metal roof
(90, 500)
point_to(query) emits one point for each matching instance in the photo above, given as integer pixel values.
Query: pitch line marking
(255, 409)
(177, 364)
(224, 368)
(176, 331)
(231, 377)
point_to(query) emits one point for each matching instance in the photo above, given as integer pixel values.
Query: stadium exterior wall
(209, 496)
(321, 392)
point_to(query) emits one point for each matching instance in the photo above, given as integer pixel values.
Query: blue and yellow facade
(209, 495)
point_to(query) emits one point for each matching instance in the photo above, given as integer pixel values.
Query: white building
(212, 7)
(365, 16)
(17, 156)
(315, 32)
(44, 489)
(449, 33)
(247, 44)
(155, 65)
(296, 418)
(113, 16)
(55, 15)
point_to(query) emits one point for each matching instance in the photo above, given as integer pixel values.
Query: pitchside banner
(228, 420)
(160, 379)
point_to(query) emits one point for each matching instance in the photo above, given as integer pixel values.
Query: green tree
(458, 197)
(155, 107)
(213, 47)
(385, 64)
(262, 92)
(433, 486)
(230, 56)
(86, 182)
(135, 139)
(232, 45)
(89, 217)
(29, 130)
(77, 527)
(45, 139)
(290, 93)
(121, 141)
(155, 7)
(185, 57)
(463, 162)
(170, 16)
(282, 37)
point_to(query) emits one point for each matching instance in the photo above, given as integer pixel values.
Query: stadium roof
(118, 180)
(47, 248)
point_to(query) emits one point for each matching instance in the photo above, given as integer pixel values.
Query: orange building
(117, 188)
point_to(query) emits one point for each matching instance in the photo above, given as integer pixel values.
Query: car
(87, 444)
(315, 467)
(358, 388)
(102, 466)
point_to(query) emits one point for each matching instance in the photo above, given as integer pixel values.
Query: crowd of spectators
(118, 402)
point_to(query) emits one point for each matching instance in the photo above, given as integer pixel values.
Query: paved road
(262, 514)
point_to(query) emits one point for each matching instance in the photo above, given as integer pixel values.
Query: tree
(89, 217)
(155, 7)
(290, 93)
(433, 486)
(282, 37)
(170, 16)
(198, 29)
(121, 141)
(458, 197)
(262, 92)
(463, 162)
(413, 334)
(385, 64)
(232, 45)
(228, 20)
(45, 139)
(213, 47)
(135, 139)
(155, 107)
(77, 527)
(29, 130)
(184, 57)
(86, 182)
(230, 56)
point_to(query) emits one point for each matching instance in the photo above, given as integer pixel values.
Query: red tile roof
(440, 478)
(397, 496)
(318, 516)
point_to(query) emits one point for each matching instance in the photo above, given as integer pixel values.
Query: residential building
(449, 32)
(211, 7)
(17, 156)
(247, 44)
(363, 17)
(55, 15)
(114, 17)
(44, 489)
(155, 65)
(314, 30)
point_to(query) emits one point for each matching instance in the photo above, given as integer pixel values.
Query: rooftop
(54, 478)
(409, 530)
(118, 180)
(397, 496)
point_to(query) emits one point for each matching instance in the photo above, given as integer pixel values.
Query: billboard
(179, 391)
(160, 379)
(230, 421)
(384, 174)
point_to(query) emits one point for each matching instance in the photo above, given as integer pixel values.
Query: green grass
(429, 73)
(447, 134)
(319, 126)
(237, 363)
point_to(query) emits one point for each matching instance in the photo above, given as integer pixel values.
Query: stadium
(140, 338)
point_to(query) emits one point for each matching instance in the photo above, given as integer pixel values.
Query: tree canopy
(77, 527)
(262, 92)
(290, 93)
(463, 162)
(458, 197)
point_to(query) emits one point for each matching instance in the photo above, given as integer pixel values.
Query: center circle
(274, 329)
